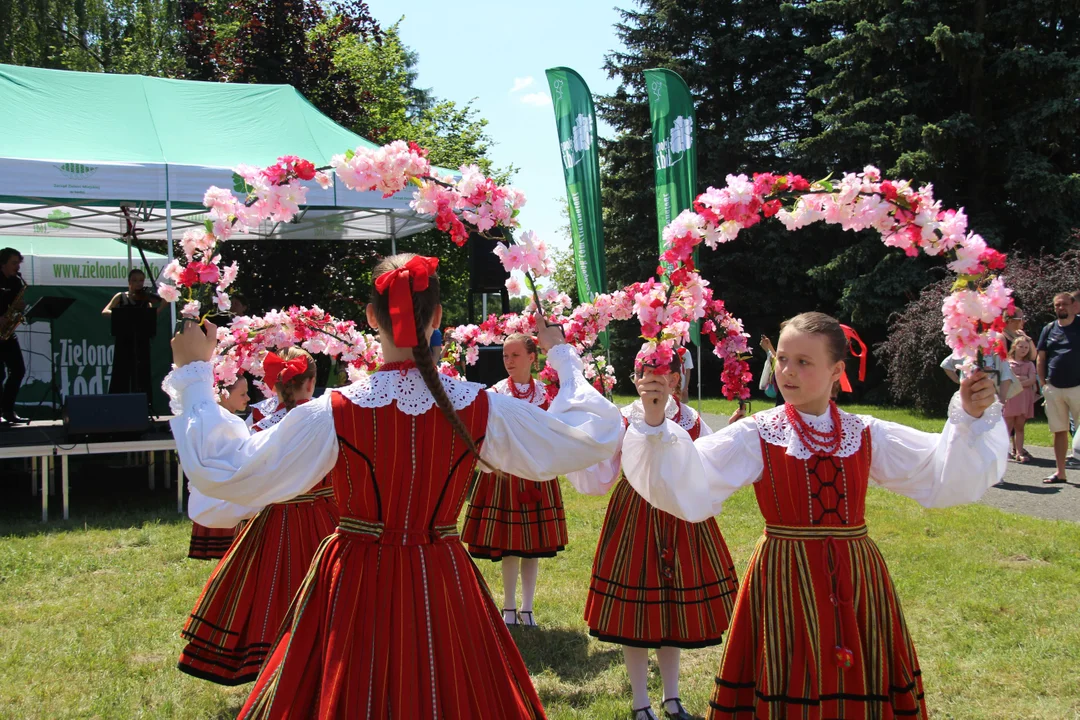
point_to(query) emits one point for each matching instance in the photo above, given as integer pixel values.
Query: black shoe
(14, 419)
(514, 620)
(4, 424)
(680, 712)
(644, 713)
(1072, 463)
(526, 622)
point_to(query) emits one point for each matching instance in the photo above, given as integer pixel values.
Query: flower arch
(906, 217)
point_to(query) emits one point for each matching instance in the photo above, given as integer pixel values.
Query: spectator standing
(1059, 373)
(436, 345)
(1014, 328)
(1021, 407)
(1005, 379)
(688, 368)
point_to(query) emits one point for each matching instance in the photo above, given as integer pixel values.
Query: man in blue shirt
(1059, 371)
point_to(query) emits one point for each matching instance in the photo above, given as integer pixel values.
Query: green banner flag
(671, 110)
(575, 120)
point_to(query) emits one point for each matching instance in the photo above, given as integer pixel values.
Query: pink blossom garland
(242, 346)
(904, 216)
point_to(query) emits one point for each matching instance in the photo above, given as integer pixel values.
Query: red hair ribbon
(853, 337)
(402, 282)
(278, 369)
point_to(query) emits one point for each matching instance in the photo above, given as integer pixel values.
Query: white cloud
(520, 83)
(539, 99)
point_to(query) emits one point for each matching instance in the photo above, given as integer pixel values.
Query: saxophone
(14, 315)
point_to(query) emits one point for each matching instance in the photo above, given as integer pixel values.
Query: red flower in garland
(305, 169)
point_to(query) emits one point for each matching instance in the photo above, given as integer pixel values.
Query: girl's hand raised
(548, 336)
(977, 393)
(193, 345)
(654, 392)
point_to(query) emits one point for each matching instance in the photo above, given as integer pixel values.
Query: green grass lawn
(90, 614)
(1036, 431)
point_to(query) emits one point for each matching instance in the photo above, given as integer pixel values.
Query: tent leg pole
(393, 233)
(699, 378)
(172, 249)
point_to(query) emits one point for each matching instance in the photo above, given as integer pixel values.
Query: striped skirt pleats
(210, 543)
(239, 613)
(393, 625)
(658, 581)
(512, 516)
(818, 634)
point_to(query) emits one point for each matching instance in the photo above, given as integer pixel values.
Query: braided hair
(424, 304)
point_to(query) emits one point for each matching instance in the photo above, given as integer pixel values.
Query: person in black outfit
(131, 354)
(12, 368)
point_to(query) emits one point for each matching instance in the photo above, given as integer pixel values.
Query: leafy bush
(915, 345)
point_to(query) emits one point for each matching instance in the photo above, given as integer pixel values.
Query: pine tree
(746, 66)
(977, 97)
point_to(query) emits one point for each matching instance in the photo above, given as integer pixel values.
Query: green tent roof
(86, 152)
(99, 117)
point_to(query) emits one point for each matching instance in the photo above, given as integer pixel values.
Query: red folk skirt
(511, 516)
(393, 625)
(239, 614)
(785, 655)
(209, 543)
(658, 581)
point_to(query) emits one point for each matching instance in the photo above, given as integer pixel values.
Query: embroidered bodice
(407, 471)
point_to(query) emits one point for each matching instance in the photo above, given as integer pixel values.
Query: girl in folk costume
(817, 631)
(238, 616)
(657, 581)
(211, 543)
(511, 519)
(393, 619)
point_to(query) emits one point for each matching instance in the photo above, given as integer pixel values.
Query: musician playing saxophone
(12, 368)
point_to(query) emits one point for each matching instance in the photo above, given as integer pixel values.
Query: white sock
(530, 568)
(510, 576)
(668, 660)
(637, 667)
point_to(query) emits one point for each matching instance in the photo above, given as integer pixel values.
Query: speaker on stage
(489, 368)
(101, 416)
(486, 273)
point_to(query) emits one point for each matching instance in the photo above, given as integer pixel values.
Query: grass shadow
(564, 652)
(103, 495)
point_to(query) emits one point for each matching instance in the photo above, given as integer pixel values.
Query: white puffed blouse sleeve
(212, 513)
(953, 467)
(224, 461)
(690, 479)
(579, 429)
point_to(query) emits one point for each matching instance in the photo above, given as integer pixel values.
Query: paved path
(1022, 491)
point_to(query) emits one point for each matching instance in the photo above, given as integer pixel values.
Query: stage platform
(45, 441)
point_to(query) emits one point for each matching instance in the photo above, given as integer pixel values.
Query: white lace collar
(381, 388)
(273, 412)
(687, 419)
(267, 406)
(539, 398)
(774, 428)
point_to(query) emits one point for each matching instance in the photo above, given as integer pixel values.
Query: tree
(915, 346)
(976, 97)
(280, 41)
(132, 36)
(746, 67)
(337, 273)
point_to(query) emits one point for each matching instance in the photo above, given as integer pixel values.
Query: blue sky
(495, 53)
